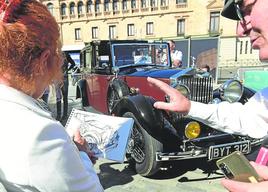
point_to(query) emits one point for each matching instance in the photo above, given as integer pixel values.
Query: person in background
(176, 56)
(45, 95)
(37, 154)
(249, 119)
(206, 68)
(68, 64)
(58, 90)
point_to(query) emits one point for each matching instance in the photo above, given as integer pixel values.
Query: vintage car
(114, 81)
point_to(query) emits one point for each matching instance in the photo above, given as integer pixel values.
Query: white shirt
(249, 119)
(176, 55)
(36, 152)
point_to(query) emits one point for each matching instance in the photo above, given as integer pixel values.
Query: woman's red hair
(24, 35)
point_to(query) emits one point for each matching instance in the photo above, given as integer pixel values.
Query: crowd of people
(31, 60)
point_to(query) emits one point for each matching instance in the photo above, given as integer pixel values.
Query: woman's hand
(178, 103)
(236, 186)
(82, 145)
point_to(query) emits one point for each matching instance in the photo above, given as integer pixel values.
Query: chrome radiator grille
(201, 88)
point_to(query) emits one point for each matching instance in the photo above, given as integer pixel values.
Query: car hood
(159, 73)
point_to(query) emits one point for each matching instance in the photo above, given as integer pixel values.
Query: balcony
(116, 12)
(63, 17)
(125, 11)
(181, 5)
(80, 15)
(97, 14)
(89, 14)
(144, 9)
(164, 7)
(135, 10)
(154, 8)
(107, 12)
(72, 16)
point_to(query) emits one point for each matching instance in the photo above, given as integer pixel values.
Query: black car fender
(120, 87)
(141, 106)
(81, 91)
(247, 93)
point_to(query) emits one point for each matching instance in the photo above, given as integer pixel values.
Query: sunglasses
(239, 12)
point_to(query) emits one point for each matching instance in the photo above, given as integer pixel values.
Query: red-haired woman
(36, 152)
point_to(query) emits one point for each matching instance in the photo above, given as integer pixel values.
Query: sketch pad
(107, 135)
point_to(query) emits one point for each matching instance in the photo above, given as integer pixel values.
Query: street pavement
(188, 176)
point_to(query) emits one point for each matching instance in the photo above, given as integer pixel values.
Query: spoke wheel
(113, 97)
(141, 149)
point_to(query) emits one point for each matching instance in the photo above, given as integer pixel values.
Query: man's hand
(82, 145)
(236, 186)
(178, 103)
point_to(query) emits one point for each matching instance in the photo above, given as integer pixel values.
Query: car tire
(148, 166)
(111, 99)
(81, 104)
(82, 101)
(118, 89)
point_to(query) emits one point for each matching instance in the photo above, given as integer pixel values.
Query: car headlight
(231, 91)
(183, 89)
(192, 130)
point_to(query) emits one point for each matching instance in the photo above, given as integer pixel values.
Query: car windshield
(140, 54)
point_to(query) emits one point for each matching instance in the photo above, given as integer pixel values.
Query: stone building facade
(82, 21)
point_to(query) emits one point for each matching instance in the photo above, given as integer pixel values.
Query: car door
(98, 79)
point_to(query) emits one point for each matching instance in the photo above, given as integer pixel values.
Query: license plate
(218, 151)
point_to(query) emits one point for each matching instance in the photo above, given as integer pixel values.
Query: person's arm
(71, 61)
(232, 118)
(249, 119)
(55, 164)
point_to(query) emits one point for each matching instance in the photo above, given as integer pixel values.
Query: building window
(94, 32)
(214, 22)
(130, 30)
(133, 4)
(106, 5)
(181, 1)
(124, 5)
(89, 4)
(153, 3)
(50, 8)
(143, 3)
(149, 28)
(163, 2)
(77, 33)
(80, 8)
(115, 5)
(63, 9)
(241, 47)
(180, 27)
(72, 8)
(112, 32)
(97, 6)
(246, 48)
